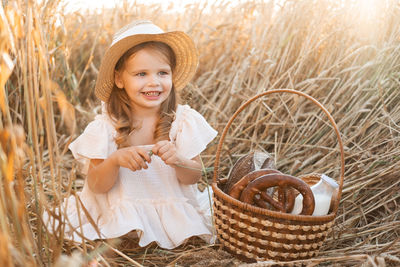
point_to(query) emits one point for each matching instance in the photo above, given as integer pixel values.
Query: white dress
(151, 201)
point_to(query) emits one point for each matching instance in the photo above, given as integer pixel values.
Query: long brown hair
(119, 107)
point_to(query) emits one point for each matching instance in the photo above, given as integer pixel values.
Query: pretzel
(258, 187)
(286, 198)
(253, 161)
(287, 195)
(237, 188)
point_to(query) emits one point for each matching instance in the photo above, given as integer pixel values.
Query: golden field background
(345, 56)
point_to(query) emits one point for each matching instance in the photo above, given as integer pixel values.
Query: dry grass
(49, 61)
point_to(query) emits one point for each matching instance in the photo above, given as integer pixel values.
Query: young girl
(141, 155)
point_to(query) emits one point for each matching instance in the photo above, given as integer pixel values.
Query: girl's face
(146, 78)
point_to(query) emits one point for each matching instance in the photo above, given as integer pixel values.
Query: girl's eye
(141, 74)
(163, 73)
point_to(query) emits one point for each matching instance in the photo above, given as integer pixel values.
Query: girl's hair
(118, 105)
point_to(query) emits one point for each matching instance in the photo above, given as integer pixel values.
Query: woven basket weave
(254, 233)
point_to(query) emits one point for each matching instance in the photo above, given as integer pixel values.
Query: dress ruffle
(176, 219)
(190, 132)
(96, 142)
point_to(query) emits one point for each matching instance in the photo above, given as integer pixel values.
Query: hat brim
(180, 43)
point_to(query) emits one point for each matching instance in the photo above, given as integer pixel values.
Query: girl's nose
(153, 80)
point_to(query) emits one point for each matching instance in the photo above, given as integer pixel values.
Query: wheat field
(345, 56)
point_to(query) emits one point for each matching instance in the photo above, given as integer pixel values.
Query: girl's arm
(188, 171)
(103, 173)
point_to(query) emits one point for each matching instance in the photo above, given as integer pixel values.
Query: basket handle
(241, 108)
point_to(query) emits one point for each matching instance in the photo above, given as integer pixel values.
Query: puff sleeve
(190, 132)
(96, 142)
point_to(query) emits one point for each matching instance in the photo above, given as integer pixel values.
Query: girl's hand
(166, 150)
(133, 158)
(188, 171)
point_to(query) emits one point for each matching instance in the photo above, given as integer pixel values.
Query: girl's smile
(152, 95)
(146, 78)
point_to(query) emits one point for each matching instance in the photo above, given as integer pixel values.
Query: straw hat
(144, 31)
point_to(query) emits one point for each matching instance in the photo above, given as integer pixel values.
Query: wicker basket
(253, 233)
